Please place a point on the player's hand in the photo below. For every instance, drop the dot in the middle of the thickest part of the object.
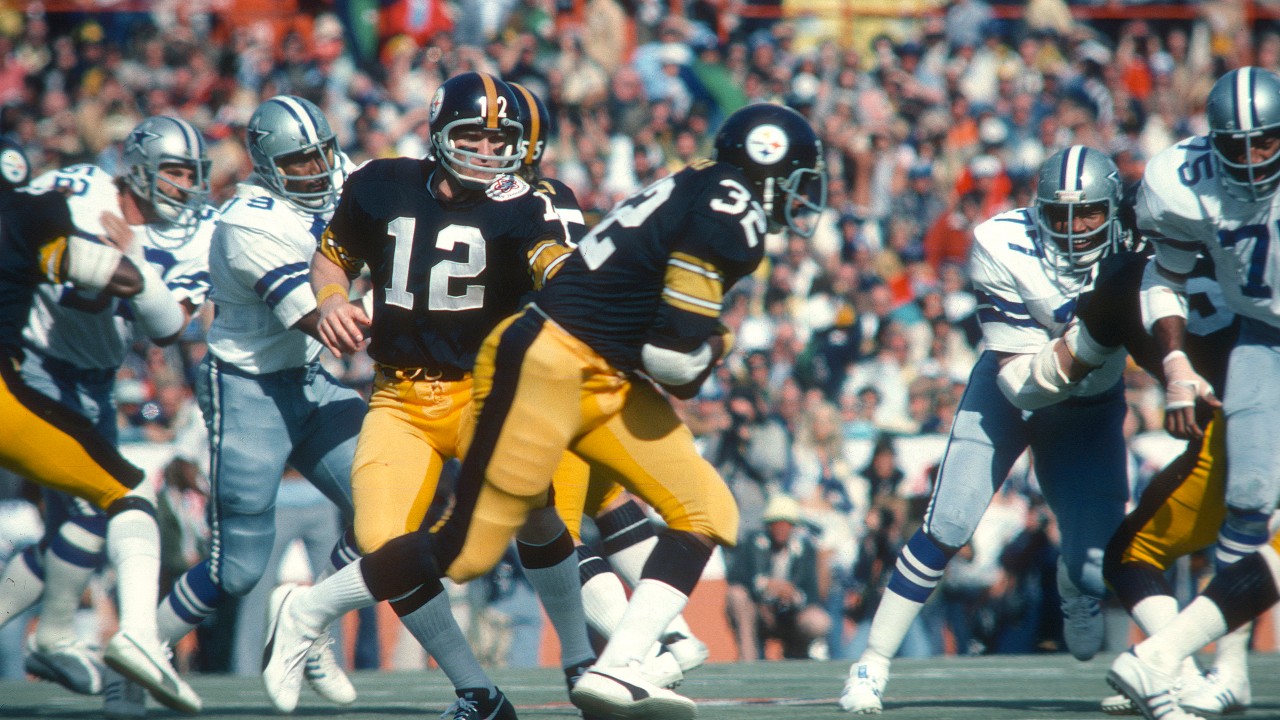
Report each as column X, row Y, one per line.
column 1183, row 388
column 341, row 325
column 119, row 234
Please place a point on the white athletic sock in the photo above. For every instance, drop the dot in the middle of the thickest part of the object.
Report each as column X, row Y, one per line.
column 652, row 607
column 629, row 561
column 64, row 583
column 438, row 633
column 1198, row 625
column 133, row 547
column 169, row 624
column 604, row 600
column 330, row 599
column 1233, row 652
column 22, row 588
column 892, row 620
column 1154, row 612
column 560, row 591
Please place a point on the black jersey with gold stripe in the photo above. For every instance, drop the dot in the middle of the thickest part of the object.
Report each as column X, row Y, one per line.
column 444, row 273
column 656, row 268
column 33, row 239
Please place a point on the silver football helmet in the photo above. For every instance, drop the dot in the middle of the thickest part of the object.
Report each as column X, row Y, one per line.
column 1073, row 182
column 161, row 141
column 1244, row 108
column 289, row 128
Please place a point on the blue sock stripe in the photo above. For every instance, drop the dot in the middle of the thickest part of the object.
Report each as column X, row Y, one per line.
column 195, row 596
column 31, row 556
column 344, row 553
column 908, row 589
column 925, row 551
column 93, row 524
column 1237, row 536
column 74, row 554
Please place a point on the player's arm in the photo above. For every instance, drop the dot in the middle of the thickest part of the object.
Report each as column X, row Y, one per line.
column 337, row 322
column 116, row 266
column 1164, row 313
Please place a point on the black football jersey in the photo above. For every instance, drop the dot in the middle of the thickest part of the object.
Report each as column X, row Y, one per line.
column 444, row 274
column 655, row 269
column 566, row 204
column 33, row 238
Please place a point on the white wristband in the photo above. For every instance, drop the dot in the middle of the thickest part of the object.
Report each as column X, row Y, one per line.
column 156, row 310
column 1161, row 297
column 90, row 265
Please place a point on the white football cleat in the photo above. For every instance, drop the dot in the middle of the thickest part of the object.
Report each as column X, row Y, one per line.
column 623, row 692
column 663, row 670
column 148, row 664
column 1083, row 626
column 689, row 651
column 286, row 649
column 1217, row 695
column 1153, row 693
column 70, row 663
column 1117, row 705
column 325, row 675
column 864, row 689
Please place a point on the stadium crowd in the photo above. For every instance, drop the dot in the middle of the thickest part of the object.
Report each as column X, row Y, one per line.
column 853, row 347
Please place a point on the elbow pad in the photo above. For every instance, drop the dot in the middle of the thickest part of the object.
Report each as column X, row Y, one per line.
column 90, row 264
column 672, row 367
column 1032, row 381
column 1162, row 296
column 155, row 309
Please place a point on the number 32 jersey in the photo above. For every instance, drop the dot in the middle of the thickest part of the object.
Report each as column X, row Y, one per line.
column 1183, row 207
column 444, row 273
column 656, row 268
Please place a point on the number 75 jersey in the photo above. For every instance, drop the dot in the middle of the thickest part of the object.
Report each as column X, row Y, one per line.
column 1183, row 206
column 656, row 268
column 444, row 273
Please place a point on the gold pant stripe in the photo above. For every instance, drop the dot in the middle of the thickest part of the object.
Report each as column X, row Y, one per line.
column 56, row 448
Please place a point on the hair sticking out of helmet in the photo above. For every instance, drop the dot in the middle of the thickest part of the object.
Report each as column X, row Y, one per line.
column 1244, row 131
column 536, row 127
column 295, row 152
column 1076, row 207
column 15, row 168
column 781, row 155
column 167, row 166
column 475, row 130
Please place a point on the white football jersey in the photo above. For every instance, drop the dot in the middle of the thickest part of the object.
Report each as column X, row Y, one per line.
column 1184, row 209
column 1022, row 300
column 260, row 264
column 94, row 330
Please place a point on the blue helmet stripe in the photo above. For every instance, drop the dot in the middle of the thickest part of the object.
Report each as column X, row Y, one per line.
column 301, row 116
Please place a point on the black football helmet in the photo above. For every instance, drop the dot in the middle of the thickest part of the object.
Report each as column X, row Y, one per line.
column 535, row 123
column 475, row 100
column 15, row 169
column 778, row 151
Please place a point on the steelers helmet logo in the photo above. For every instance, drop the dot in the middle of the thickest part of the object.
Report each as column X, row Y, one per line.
column 13, row 167
column 767, row 144
column 437, row 102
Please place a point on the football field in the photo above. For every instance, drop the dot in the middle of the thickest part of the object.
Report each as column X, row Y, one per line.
column 1042, row 687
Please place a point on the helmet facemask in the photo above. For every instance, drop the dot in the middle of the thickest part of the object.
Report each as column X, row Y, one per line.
column 1080, row 250
column 298, row 188
column 183, row 206
column 1247, row 180
column 474, row 169
column 805, row 197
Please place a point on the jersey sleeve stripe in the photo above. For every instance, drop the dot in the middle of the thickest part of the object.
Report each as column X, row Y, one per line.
column 334, row 250
column 51, row 254
column 272, row 277
column 693, row 263
column 283, row 289
column 991, row 315
column 1003, row 305
column 545, row 260
column 691, row 304
column 693, row 285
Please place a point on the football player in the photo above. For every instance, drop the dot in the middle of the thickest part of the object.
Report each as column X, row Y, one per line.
column 625, row 530
column 1216, row 195
column 75, row 341
column 452, row 242
column 1028, row 266
column 1182, row 508
column 44, row 237
column 266, row 400
column 638, row 302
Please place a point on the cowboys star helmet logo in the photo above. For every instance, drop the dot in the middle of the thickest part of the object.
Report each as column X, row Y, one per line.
column 140, row 136
column 767, row 144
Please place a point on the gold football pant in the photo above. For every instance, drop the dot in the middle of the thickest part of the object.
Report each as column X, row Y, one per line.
column 412, row 429
column 1182, row 509
column 539, row 390
column 57, row 448
column 579, row 492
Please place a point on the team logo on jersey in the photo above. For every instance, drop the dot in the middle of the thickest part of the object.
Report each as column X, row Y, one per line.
column 506, row 187
column 767, row 144
column 436, row 101
column 13, row 166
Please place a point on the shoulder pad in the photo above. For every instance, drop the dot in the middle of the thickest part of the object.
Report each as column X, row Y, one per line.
column 507, row 187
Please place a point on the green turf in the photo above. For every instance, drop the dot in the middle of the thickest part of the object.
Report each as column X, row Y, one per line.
column 986, row 688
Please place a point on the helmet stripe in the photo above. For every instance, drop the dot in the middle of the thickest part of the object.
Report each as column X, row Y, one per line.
column 300, row 114
column 490, row 100
column 1069, row 177
column 195, row 145
column 1246, row 113
column 535, row 122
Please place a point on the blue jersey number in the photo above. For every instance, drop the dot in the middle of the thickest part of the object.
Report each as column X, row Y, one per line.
column 1260, row 236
